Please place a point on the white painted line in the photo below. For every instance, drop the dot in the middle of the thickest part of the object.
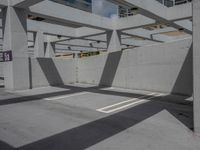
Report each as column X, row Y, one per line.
column 125, row 106
column 66, row 96
column 130, row 100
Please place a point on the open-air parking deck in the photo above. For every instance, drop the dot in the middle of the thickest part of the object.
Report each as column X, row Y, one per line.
column 99, row 75
column 72, row 117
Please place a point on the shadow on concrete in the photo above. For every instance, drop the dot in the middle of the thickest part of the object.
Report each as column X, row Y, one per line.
column 2, row 86
column 69, row 90
column 2, row 82
column 89, row 134
column 184, row 81
column 110, row 68
column 20, row 99
column 5, row 146
column 50, row 71
column 173, row 99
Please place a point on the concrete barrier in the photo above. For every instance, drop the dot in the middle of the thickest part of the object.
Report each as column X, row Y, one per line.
column 52, row 71
column 25, row 73
column 164, row 67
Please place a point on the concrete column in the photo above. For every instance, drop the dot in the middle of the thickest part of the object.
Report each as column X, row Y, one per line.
column 15, row 31
column 113, row 41
column 196, row 64
column 15, row 38
column 50, row 49
column 39, row 44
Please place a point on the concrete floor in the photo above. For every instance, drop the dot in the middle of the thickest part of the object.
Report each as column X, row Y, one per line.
column 70, row 118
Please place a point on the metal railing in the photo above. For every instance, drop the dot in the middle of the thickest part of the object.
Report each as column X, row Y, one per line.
column 171, row 3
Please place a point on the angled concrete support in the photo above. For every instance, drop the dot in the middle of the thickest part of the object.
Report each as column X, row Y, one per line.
column 15, row 31
column 114, row 41
column 39, row 45
column 24, row 3
column 49, row 48
column 196, row 63
column 16, row 72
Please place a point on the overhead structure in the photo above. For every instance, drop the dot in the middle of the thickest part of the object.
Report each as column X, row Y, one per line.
column 44, row 28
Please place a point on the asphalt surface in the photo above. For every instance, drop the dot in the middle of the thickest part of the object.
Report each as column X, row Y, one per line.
column 77, row 117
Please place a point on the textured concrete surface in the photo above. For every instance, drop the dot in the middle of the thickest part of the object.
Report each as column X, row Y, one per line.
column 36, row 120
column 52, row 71
column 1, row 69
column 164, row 67
column 36, row 72
column 196, row 66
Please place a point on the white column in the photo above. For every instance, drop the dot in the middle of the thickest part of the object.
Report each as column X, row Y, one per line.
column 196, row 64
column 113, row 41
column 50, row 48
column 16, row 73
column 15, row 31
column 39, row 44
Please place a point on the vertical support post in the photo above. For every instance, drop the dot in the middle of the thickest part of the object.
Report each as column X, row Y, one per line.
column 15, row 38
column 174, row 2
column 15, row 31
column 114, row 41
column 50, row 48
column 196, row 64
column 39, row 45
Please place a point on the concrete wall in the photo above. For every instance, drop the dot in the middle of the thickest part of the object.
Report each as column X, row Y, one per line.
column 36, row 72
column 52, row 71
column 196, row 66
column 1, row 69
column 165, row 67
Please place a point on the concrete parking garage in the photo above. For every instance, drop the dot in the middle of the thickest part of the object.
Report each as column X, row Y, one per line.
column 71, row 117
column 140, row 92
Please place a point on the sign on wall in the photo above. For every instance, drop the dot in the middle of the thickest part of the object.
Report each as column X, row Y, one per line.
column 5, row 56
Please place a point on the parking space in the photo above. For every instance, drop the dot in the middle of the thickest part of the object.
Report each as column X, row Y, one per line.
column 101, row 99
column 89, row 117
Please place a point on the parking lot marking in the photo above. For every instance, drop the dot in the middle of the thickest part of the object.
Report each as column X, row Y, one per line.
column 130, row 100
column 135, row 101
column 65, row 96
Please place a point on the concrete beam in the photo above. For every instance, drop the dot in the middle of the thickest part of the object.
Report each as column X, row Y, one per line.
column 24, row 3
column 186, row 24
column 65, row 45
column 133, row 22
column 3, row 3
column 85, row 32
column 179, row 12
column 149, row 35
column 196, row 64
column 159, row 12
column 54, row 11
column 169, row 13
column 51, row 29
column 143, row 37
column 128, row 42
